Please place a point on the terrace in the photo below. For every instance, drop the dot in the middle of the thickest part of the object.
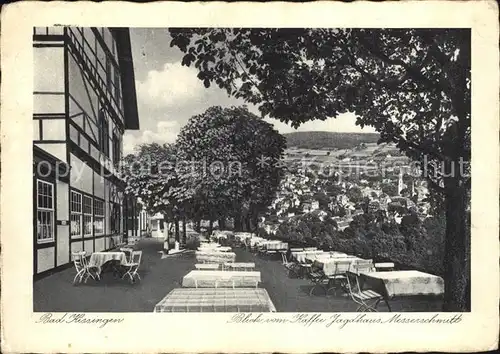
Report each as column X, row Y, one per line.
column 55, row 293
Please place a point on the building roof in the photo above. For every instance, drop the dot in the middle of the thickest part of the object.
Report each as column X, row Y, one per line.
column 122, row 37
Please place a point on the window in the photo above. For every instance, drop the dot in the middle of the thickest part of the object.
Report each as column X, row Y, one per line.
column 116, row 82
column 115, row 218
column 103, row 133
column 76, row 214
column 116, row 150
column 98, row 217
column 87, row 216
column 109, row 73
column 45, row 211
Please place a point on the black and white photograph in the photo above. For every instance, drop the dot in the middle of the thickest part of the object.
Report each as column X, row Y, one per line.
column 251, row 169
column 296, row 178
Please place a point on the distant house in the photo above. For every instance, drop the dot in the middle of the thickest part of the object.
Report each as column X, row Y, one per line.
column 306, row 207
column 384, row 201
column 373, row 206
column 357, row 212
column 343, row 224
column 271, row 228
column 157, row 225
column 367, row 192
column 320, row 214
column 342, row 199
column 349, row 208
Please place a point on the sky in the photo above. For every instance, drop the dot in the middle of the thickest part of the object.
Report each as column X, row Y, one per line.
column 168, row 94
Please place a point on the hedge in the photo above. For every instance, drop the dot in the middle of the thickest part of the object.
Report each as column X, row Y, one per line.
column 413, row 244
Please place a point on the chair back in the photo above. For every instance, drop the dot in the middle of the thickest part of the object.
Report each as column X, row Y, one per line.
column 136, row 257
column 353, row 283
column 363, row 265
column 79, row 260
column 342, row 267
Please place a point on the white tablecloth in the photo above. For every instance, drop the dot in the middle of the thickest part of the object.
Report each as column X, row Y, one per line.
column 328, row 255
column 301, row 256
column 98, row 259
column 220, row 279
column 216, row 300
column 211, row 245
column 214, row 257
column 277, row 246
column 218, row 249
column 240, row 265
column 274, row 245
column 207, row 266
column 309, row 249
column 256, row 240
column 340, row 265
column 404, row 283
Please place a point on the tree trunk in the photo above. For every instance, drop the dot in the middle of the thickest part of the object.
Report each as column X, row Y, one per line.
column 184, row 233
column 166, row 234
column 255, row 222
column 197, row 225
column 177, row 235
column 247, row 223
column 210, row 227
column 222, row 223
column 457, row 246
column 237, row 223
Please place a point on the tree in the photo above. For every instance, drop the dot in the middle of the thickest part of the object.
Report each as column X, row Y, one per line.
column 151, row 175
column 322, row 199
column 355, row 194
column 411, row 85
column 232, row 164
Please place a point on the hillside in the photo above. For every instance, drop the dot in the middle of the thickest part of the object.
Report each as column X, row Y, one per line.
column 328, row 140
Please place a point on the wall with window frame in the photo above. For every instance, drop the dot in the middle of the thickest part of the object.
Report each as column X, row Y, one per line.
column 85, row 102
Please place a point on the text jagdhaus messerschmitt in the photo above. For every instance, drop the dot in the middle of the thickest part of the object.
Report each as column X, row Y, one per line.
column 341, row 320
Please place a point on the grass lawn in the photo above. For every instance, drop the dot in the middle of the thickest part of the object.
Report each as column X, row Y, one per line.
column 56, row 293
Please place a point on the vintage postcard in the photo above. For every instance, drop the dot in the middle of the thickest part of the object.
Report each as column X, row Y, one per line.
column 238, row 177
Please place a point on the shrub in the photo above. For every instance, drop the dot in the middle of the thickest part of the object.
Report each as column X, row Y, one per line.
column 390, row 189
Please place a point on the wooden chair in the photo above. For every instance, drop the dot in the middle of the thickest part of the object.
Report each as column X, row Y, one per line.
column 367, row 300
column 290, row 266
column 305, row 269
column 133, row 266
column 339, row 278
column 319, row 280
column 128, row 252
column 363, row 265
column 82, row 268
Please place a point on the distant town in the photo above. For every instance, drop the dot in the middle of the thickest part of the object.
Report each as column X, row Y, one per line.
column 342, row 183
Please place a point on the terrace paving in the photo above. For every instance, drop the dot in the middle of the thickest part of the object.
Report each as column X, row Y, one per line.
column 55, row 293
